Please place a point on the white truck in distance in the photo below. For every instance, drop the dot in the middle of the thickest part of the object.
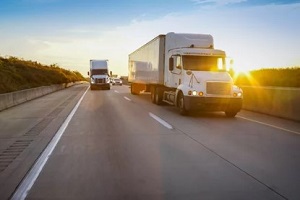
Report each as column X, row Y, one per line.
column 98, row 73
column 184, row 70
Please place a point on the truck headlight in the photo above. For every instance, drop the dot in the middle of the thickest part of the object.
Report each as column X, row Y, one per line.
column 194, row 93
column 237, row 94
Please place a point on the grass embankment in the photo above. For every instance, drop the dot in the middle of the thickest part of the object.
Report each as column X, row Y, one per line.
column 18, row 74
column 281, row 77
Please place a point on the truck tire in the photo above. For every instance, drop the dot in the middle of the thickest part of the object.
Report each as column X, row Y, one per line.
column 230, row 114
column 152, row 91
column 181, row 104
column 132, row 89
column 159, row 95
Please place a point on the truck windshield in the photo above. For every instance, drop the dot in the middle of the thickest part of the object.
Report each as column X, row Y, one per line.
column 99, row 72
column 203, row 63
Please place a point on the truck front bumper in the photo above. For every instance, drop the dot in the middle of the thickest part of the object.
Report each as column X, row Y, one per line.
column 213, row 103
column 100, row 85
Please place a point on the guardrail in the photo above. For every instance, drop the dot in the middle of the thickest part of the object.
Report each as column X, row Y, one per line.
column 277, row 101
column 11, row 99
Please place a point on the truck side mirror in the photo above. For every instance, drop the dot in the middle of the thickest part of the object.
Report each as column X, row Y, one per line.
column 171, row 64
column 88, row 73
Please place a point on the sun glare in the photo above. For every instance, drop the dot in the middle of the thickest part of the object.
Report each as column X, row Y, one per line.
column 242, row 73
column 240, row 68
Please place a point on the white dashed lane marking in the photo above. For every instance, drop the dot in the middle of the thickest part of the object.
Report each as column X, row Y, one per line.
column 127, row 98
column 163, row 122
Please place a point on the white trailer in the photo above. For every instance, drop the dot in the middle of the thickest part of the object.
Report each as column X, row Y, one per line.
column 99, row 77
column 184, row 70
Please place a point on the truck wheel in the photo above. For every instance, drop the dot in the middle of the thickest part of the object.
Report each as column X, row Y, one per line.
column 181, row 105
column 158, row 95
column 132, row 89
column 152, row 90
column 230, row 113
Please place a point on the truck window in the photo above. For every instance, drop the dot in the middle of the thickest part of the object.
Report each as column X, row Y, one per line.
column 204, row 63
column 178, row 62
column 99, row 72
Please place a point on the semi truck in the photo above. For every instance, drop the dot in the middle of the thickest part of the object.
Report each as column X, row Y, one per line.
column 185, row 71
column 99, row 77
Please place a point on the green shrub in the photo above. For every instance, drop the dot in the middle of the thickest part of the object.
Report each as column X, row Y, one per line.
column 18, row 74
column 279, row 77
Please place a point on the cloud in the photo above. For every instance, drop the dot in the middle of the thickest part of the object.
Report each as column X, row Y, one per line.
column 41, row 1
column 256, row 36
column 218, row 2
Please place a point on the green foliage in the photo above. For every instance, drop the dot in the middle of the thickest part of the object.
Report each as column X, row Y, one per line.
column 279, row 77
column 18, row 74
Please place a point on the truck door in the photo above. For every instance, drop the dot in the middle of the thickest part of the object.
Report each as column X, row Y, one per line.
column 176, row 74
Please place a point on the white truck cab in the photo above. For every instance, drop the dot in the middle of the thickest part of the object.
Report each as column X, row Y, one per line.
column 186, row 71
column 99, row 75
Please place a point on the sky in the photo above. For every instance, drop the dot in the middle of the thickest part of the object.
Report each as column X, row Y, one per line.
column 254, row 33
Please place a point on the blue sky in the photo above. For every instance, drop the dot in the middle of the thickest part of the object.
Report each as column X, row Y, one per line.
column 256, row 34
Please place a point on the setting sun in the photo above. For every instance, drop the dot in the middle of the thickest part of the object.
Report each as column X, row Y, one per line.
column 237, row 67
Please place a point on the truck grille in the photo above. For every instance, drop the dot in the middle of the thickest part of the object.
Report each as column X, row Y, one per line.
column 218, row 88
column 100, row 80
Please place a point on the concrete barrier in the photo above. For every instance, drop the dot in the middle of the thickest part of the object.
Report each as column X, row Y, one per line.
column 276, row 101
column 8, row 100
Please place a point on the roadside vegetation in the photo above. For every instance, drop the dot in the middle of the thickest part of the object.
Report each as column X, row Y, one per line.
column 18, row 74
column 278, row 77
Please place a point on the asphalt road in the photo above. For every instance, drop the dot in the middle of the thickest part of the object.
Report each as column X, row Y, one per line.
column 120, row 146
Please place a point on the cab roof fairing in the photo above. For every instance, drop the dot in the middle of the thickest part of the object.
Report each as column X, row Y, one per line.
column 198, row 52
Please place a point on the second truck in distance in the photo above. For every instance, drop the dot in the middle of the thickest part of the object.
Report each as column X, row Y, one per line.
column 99, row 77
column 184, row 70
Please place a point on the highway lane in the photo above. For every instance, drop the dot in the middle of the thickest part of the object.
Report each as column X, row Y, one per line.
column 120, row 146
column 26, row 130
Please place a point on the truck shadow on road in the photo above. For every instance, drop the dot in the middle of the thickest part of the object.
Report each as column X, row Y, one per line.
column 201, row 114
column 145, row 97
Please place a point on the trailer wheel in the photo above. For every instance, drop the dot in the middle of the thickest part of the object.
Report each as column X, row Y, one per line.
column 132, row 89
column 158, row 95
column 230, row 113
column 152, row 90
column 181, row 105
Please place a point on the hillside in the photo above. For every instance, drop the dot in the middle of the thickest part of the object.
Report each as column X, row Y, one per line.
column 18, row 74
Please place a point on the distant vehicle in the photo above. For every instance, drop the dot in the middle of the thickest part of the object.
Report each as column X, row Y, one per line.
column 117, row 81
column 99, row 77
column 184, row 70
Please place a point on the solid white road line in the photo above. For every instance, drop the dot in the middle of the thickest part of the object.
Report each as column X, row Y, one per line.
column 27, row 183
column 127, row 98
column 277, row 127
column 163, row 122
